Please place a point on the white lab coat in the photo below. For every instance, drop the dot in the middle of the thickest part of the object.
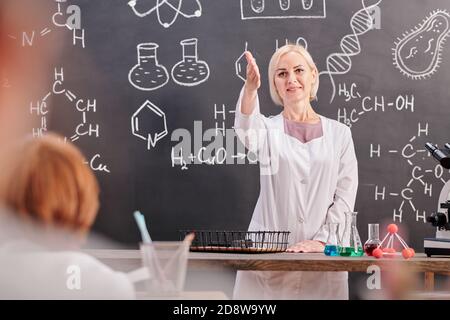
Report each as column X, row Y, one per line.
column 303, row 186
column 31, row 272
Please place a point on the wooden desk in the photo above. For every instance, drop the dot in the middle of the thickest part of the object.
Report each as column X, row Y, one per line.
column 289, row 262
column 320, row 262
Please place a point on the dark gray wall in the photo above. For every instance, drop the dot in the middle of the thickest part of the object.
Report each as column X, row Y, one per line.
column 223, row 196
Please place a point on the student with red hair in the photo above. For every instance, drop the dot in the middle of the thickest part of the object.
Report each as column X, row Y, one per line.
column 53, row 193
column 50, row 184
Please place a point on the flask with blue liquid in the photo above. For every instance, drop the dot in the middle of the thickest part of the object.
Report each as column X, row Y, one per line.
column 332, row 247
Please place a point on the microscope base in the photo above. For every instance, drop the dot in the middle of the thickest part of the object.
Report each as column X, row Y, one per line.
column 436, row 247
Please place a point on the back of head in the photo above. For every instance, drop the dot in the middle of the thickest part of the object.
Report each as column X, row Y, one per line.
column 49, row 183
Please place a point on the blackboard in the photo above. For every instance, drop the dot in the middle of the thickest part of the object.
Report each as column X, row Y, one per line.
column 387, row 79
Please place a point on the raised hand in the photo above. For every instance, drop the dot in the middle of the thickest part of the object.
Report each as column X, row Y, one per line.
column 253, row 81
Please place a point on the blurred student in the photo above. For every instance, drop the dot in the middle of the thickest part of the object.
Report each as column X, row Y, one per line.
column 56, row 197
column 26, row 71
column 49, row 189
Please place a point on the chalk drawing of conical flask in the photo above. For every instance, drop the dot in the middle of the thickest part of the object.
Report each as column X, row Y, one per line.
column 147, row 74
column 190, row 71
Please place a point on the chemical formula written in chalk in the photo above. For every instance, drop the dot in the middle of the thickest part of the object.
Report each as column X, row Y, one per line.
column 65, row 17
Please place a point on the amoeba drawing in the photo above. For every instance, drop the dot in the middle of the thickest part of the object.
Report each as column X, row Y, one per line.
column 418, row 53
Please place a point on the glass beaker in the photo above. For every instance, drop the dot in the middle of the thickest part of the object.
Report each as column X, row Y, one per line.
column 147, row 74
column 190, row 71
column 166, row 262
column 373, row 241
column 351, row 242
column 332, row 245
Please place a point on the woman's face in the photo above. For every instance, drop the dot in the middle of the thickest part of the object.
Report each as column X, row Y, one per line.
column 294, row 78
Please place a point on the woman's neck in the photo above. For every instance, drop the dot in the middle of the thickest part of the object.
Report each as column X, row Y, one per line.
column 300, row 112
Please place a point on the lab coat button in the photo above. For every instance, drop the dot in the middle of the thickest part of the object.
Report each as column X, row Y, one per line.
column 303, row 181
column 300, row 220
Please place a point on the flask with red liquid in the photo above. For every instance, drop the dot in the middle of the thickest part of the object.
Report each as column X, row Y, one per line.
column 374, row 239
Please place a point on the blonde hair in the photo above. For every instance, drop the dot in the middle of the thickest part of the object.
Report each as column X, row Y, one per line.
column 49, row 183
column 273, row 65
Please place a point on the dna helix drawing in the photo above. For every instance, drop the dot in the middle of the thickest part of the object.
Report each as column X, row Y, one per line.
column 340, row 62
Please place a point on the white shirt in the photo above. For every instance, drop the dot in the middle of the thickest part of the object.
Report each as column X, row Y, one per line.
column 30, row 272
column 303, row 186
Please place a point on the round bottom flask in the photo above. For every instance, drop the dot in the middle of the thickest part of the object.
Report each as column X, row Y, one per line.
column 190, row 71
column 374, row 239
column 148, row 74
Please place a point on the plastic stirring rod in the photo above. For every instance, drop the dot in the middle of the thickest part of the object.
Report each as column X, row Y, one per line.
column 140, row 220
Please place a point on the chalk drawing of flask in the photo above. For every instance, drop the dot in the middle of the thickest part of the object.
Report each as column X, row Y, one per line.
column 190, row 71
column 147, row 74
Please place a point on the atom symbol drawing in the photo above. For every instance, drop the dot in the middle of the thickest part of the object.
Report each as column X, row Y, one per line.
column 174, row 5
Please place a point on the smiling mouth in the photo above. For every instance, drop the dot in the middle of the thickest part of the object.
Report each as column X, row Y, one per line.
column 294, row 89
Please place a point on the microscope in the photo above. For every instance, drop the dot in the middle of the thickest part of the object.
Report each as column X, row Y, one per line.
column 441, row 244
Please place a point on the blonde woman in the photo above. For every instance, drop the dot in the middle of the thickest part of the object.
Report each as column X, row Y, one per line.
column 308, row 174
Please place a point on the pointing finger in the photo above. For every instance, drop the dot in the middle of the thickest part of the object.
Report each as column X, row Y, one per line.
column 249, row 56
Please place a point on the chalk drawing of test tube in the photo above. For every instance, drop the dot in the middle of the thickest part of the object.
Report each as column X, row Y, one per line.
column 418, row 53
column 285, row 4
column 307, row 4
column 282, row 9
column 257, row 5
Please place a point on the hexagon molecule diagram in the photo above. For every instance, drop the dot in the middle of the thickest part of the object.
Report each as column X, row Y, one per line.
column 149, row 123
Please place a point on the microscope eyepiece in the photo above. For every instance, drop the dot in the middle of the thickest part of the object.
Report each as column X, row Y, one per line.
column 438, row 220
column 441, row 155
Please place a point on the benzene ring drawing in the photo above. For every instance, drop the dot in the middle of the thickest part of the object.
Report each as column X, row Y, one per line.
column 149, row 123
